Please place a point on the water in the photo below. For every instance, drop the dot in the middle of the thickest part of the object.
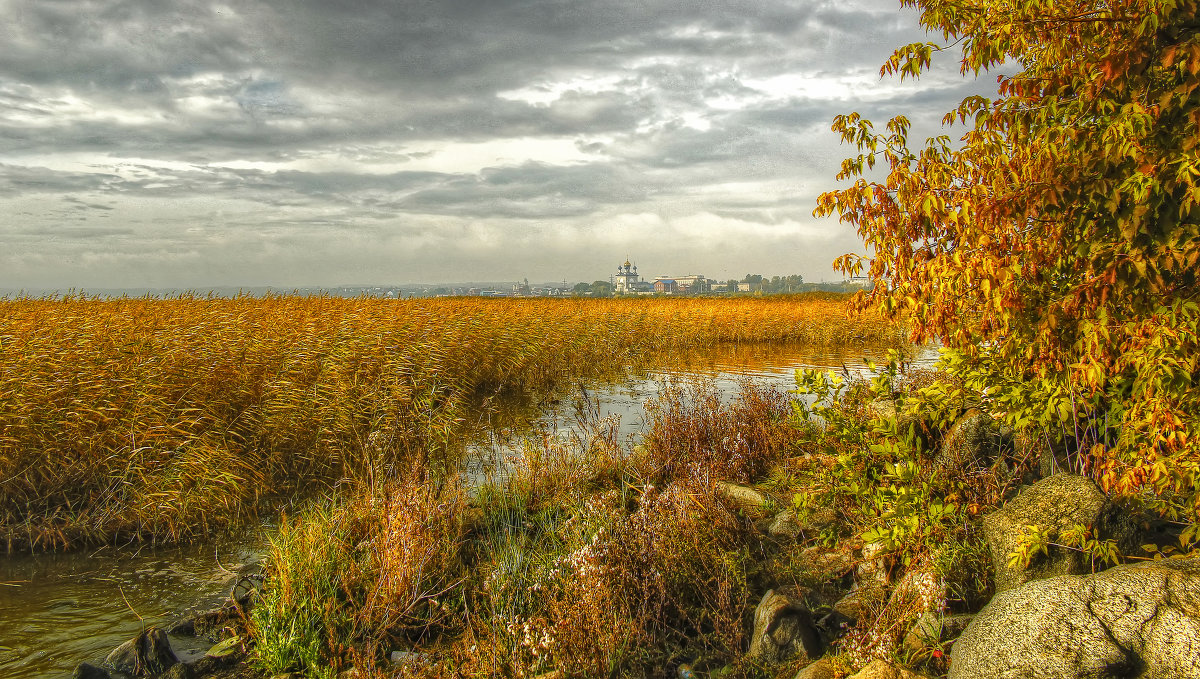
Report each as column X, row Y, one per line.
column 726, row 368
column 58, row 610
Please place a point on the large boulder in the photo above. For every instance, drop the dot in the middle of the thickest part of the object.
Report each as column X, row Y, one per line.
column 783, row 630
column 1053, row 505
column 1138, row 620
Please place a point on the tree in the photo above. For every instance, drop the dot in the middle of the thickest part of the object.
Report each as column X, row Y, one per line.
column 602, row 289
column 754, row 280
column 1054, row 248
column 581, row 289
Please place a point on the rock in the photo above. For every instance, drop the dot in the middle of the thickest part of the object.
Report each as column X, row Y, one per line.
column 783, row 630
column 1053, row 505
column 1034, row 445
column 825, row 563
column 915, row 423
column 881, row 409
column 210, row 623
column 179, row 671
column 408, row 658
column 147, row 654
column 183, row 628
column 872, row 568
column 931, row 629
column 821, row 669
column 920, row 589
column 741, row 497
column 1138, row 620
column 784, row 525
column 974, row 442
column 861, row 602
column 226, row 648
column 248, row 587
column 908, row 421
column 87, row 671
column 879, row 669
column 787, row 524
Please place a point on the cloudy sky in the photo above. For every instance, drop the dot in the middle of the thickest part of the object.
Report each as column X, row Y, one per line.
column 168, row 143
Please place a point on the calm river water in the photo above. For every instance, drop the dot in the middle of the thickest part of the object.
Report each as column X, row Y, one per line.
column 58, row 610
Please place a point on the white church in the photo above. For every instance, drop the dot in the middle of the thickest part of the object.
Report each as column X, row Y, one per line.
column 627, row 282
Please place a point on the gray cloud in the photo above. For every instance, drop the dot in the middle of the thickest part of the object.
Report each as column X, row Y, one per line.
column 180, row 142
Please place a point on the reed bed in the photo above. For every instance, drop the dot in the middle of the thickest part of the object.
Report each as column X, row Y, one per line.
column 171, row 418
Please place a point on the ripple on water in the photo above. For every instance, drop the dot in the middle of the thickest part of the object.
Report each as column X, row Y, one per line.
column 58, row 610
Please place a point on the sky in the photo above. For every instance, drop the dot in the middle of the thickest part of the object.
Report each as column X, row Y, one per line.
column 175, row 144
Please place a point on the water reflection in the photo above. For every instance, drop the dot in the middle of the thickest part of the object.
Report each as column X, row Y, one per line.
column 499, row 439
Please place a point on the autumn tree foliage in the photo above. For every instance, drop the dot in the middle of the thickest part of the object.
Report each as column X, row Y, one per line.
column 1054, row 246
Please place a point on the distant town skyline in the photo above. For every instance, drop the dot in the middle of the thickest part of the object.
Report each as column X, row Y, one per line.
column 188, row 144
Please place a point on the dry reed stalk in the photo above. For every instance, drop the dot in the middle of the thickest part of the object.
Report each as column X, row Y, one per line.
column 170, row 418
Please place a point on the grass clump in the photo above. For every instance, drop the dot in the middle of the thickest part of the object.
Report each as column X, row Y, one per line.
column 361, row 576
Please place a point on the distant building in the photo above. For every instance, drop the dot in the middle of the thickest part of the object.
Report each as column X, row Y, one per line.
column 692, row 284
column 627, row 281
column 683, row 285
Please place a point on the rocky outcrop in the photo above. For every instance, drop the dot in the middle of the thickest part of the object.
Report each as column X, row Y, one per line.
column 147, row 654
column 857, row 604
column 783, row 630
column 1130, row 621
column 1053, row 505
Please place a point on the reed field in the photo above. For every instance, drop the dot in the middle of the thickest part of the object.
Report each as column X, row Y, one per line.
column 169, row 419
